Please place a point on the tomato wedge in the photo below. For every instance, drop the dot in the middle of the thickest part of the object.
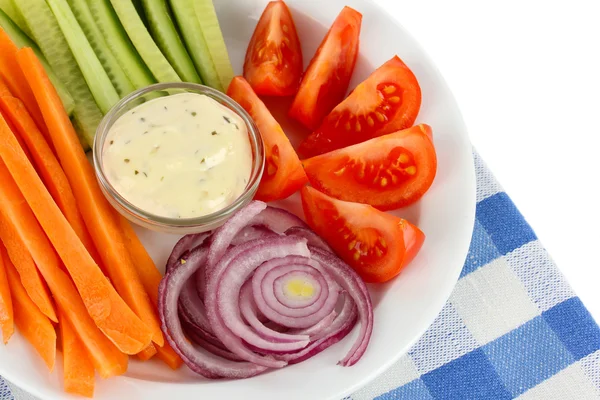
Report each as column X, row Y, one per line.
column 377, row 245
column 327, row 77
column 387, row 172
column 273, row 64
column 387, row 101
column 283, row 174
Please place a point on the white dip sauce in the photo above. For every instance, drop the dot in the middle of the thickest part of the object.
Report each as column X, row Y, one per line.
column 179, row 156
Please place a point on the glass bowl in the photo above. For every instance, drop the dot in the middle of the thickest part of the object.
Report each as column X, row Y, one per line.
column 157, row 222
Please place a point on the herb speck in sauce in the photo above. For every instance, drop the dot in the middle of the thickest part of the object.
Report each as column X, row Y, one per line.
column 166, row 109
column 162, row 178
column 194, row 113
column 145, row 174
column 136, row 172
column 213, row 133
column 203, row 160
column 226, row 119
column 145, row 133
column 112, row 141
column 142, row 119
column 127, row 142
column 127, row 160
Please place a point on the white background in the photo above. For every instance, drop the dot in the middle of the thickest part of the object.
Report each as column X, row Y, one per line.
column 526, row 75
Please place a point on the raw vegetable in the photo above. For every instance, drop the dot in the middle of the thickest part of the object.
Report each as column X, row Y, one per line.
column 375, row 244
column 147, row 353
column 387, row 172
column 48, row 168
column 20, row 39
column 211, row 30
column 26, row 230
column 98, row 81
column 167, row 38
column 327, row 77
column 291, row 277
column 109, row 62
column 7, row 322
column 143, row 42
column 78, row 369
column 33, row 283
column 47, row 34
column 120, row 45
column 109, row 311
column 97, row 213
column 273, row 64
column 283, row 174
column 196, row 43
column 30, row 321
column 8, row 7
column 387, row 101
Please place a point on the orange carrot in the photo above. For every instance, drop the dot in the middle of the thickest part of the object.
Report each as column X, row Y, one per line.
column 15, row 79
column 7, row 323
column 48, row 167
column 4, row 90
column 33, row 283
column 147, row 353
column 100, row 218
column 32, row 324
column 106, row 308
column 78, row 368
column 25, row 229
column 167, row 355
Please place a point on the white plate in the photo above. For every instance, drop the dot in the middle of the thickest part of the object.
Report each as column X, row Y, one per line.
column 404, row 308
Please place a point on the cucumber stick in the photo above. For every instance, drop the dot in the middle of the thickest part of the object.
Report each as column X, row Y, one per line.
column 190, row 29
column 22, row 40
column 213, row 36
column 96, row 77
column 53, row 44
column 120, row 45
column 10, row 9
column 143, row 42
column 167, row 38
column 117, row 76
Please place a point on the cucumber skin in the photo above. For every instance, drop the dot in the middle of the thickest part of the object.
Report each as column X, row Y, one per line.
column 117, row 40
column 143, row 42
column 109, row 62
column 10, row 9
column 21, row 40
column 167, row 38
column 53, row 45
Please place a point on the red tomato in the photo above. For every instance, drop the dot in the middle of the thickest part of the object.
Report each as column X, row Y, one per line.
column 273, row 64
column 377, row 245
column 387, row 172
column 283, row 174
column 326, row 80
column 387, row 101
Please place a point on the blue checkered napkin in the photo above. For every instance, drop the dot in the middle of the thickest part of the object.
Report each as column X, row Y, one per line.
column 512, row 328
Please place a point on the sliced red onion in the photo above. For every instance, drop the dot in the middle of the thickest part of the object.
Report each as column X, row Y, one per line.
column 318, row 330
column 211, row 347
column 252, row 232
column 312, row 238
column 277, row 219
column 184, row 246
column 280, row 279
column 192, row 306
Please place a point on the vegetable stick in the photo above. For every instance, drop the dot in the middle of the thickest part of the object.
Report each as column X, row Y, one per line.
column 167, row 355
column 4, row 91
column 24, row 228
column 147, row 353
column 31, row 280
column 48, row 167
column 16, row 82
column 35, row 326
column 104, row 305
column 7, row 322
column 99, row 216
column 79, row 371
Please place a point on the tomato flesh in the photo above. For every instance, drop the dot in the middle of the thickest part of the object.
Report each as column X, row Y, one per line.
column 283, row 174
column 372, row 242
column 387, row 101
column 387, row 172
column 327, row 77
column 273, row 64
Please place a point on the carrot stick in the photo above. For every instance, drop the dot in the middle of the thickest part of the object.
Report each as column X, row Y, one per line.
column 23, row 228
column 32, row 324
column 14, row 78
column 78, row 368
column 48, row 167
column 33, row 283
column 147, row 353
column 7, row 322
column 104, row 305
column 99, row 216
column 167, row 355
column 4, row 90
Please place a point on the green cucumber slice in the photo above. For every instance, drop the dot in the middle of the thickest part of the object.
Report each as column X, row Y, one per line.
column 53, row 44
column 190, row 29
column 117, row 76
column 9, row 8
column 167, row 38
column 117, row 40
column 22, row 40
column 143, row 42
column 213, row 36
column 96, row 77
